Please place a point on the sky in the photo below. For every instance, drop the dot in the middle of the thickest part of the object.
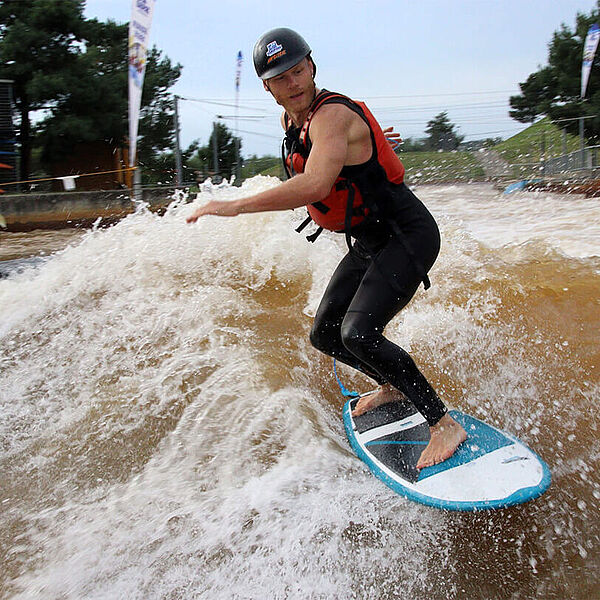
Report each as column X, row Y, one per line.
column 408, row 60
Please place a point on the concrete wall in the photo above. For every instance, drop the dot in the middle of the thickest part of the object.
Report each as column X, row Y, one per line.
column 25, row 212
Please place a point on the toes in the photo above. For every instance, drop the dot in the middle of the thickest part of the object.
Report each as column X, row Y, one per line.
column 362, row 406
column 358, row 410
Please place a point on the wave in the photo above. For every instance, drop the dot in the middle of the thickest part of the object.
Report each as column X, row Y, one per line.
column 169, row 431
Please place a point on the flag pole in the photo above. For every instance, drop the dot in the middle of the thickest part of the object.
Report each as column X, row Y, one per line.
column 178, row 168
column 238, row 162
column 589, row 50
column 139, row 34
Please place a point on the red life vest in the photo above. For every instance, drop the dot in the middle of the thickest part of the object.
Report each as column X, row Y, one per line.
column 357, row 187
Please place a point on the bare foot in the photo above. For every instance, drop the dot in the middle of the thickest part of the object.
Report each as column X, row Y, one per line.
column 385, row 394
column 446, row 436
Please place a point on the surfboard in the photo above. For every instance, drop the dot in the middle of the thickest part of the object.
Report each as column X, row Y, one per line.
column 491, row 469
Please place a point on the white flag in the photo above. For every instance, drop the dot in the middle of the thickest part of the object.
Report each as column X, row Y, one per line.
column 139, row 34
column 589, row 50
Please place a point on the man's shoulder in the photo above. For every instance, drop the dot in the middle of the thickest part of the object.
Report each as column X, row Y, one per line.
column 336, row 115
column 336, row 110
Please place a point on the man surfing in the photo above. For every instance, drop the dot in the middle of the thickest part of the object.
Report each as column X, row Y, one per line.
column 342, row 168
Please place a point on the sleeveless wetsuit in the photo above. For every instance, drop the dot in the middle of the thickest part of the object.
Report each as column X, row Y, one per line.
column 396, row 243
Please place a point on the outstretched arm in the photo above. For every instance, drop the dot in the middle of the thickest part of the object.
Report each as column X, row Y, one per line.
column 329, row 134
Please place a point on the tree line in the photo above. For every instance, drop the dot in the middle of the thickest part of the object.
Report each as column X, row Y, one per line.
column 73, row 71
column 554, row 90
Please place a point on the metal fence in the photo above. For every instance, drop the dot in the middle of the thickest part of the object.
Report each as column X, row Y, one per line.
column 580, row 161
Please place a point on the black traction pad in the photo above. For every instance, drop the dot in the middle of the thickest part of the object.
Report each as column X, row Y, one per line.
column 382, row 415
column 400, row 450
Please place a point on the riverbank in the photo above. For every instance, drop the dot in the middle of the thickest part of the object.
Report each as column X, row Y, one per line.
column 26, row 212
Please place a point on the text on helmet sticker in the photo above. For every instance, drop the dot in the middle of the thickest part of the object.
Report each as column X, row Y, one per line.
column 273, row 48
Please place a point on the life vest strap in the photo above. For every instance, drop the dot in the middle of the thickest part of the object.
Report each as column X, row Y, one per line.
column 313, row 236
column 303, row 224
column 349, row 215
column 286, row 170
column 321, row 207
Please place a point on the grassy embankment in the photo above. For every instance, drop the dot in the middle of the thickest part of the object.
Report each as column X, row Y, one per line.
column 427, row 167
column 441, row 167
column 525, row 150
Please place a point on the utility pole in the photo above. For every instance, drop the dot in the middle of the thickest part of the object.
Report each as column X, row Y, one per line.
column 543, row 152
column 238, row 162
column 138, row 195
column 238, row 166
column 215, row 150
column 581, row 142
column 179, row 176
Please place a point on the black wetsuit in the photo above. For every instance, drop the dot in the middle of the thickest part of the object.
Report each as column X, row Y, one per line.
column 396, row 243
column 372, row 283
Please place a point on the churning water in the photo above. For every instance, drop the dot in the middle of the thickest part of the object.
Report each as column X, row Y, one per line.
column 167, row 431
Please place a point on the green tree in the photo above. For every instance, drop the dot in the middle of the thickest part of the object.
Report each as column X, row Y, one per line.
column 442, row 134
column 413, row 145
column 94, row 106
column 76, row 69
column 160, row 167
column 157, row 117
column 39, row 45
column 225, row 151
column 554, row 90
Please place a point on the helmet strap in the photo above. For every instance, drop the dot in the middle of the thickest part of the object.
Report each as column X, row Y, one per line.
column 313, row 64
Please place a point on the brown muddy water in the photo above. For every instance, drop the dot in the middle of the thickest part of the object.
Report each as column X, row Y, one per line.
column 167, row 430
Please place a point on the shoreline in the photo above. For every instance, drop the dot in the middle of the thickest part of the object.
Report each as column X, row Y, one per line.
column 53, row 211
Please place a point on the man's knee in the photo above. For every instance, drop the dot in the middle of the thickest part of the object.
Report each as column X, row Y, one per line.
column 324, row 336
column 317, row 338
column 353, row 337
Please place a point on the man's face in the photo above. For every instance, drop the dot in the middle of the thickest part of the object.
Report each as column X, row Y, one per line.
column 294, row 89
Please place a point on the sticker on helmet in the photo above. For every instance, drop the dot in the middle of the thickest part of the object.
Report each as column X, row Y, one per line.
column 273, row 48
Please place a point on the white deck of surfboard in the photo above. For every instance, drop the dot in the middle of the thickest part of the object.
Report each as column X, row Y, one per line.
column 474, row 479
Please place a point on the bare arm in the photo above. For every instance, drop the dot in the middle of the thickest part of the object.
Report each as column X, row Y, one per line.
column 330, row 132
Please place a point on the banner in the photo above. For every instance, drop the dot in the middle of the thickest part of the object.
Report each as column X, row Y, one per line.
column 238, row 73
column 589, row 50
column 139, row 34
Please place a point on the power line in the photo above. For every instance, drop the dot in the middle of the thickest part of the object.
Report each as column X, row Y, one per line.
column 243, row 118
column 481, row 112
column 219, row 103
column 275, row 137
column 444, row 107
column 479, row 93
column 436, row 95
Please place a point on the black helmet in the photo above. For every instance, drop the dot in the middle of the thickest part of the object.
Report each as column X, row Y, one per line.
column 277, row 51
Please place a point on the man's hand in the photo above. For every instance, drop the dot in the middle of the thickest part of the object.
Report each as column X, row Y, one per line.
column 393, row 138
column 215, row 207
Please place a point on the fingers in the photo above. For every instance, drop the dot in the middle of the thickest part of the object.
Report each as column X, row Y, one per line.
column 194, row 216
column 389, row 132
column 214, row 207
column 393, row 138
